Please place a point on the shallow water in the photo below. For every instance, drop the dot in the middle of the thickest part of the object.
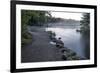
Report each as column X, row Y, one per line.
column 72, row 39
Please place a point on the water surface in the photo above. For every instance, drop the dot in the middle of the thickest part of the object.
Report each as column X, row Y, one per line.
column 72, row 39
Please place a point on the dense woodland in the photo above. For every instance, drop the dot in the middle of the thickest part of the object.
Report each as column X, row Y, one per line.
column 32, row 18
column 85, row 24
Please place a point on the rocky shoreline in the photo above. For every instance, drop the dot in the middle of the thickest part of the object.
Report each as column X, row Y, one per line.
column 40, row 49
column 67, row 54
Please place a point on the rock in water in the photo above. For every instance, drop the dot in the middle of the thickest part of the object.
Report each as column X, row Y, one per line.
column 53, row 43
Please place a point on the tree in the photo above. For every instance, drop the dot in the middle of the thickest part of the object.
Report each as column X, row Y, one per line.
column 33, row 18
column 85, row 24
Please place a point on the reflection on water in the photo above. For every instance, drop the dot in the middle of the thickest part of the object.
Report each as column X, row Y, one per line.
column 72, row 39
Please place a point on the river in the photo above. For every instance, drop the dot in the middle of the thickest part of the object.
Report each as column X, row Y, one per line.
column 72, row 39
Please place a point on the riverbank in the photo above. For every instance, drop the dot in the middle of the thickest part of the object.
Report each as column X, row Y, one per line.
column 67, row 54
column 40, row 50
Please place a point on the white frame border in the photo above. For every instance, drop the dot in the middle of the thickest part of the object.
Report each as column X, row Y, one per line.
column 20, row 65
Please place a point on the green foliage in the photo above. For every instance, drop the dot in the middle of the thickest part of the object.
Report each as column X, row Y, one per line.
column 33, row 18
column 26, row 39
column 85, row 23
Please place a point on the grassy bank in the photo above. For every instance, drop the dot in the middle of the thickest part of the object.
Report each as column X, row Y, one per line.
column 26, row 38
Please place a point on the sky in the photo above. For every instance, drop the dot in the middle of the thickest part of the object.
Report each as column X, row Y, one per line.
column 67, row 15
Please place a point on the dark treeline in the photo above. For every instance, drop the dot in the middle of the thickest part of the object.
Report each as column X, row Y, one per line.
column 85, row 24
column 35, row 18
column 53, row 19
column 32, row 18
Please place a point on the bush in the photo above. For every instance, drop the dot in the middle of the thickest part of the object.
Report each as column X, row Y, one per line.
column 26, row 39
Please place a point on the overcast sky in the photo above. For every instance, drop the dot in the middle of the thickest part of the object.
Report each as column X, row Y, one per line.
column 67, row 15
